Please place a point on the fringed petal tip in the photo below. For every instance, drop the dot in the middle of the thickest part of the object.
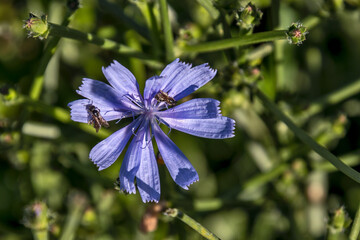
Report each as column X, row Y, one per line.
column 78, row 111
column 232, row 128
column 99, row 167
column 186, row 187
column 113, row 64
column 121, row 79
column 128, row 192
column 150, row 200
column 177, row 60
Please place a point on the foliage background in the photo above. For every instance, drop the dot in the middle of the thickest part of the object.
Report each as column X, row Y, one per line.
column 261, row 184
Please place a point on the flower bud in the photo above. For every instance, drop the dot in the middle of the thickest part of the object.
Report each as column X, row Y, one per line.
column 36, row 216
column 248, row 16
column 339, row 221
column 37, row 27
column 296, row 33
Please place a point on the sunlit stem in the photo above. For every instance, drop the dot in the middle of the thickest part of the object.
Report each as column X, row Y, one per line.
column 149, row 13
column 176, row 213
column 235, row 42
column 169, row 41
column 355, row 229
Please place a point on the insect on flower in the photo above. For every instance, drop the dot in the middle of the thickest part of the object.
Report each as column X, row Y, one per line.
column 164, row 97
column 95, row 117
column 122, row 99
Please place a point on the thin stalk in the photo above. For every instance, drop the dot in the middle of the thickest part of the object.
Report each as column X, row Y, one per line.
column 235, row 42
column 355, row 229
column 305, row 138
column 176, row 213
column 154, row 33
column 76, row 211
column 169, row 41
column 351, row 159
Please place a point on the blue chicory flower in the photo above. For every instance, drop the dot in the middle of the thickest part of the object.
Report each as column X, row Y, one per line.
column 199, row 117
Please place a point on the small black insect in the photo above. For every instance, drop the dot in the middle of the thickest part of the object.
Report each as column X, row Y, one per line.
column 162, row 96
column 95, row 117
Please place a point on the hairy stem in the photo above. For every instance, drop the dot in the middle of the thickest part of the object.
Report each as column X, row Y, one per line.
column 176, row 213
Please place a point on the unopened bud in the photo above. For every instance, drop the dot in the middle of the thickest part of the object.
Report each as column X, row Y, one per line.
column 36, row 216
column 248, row 16
column 37, row 27
column 296, row 33
column 340, row 220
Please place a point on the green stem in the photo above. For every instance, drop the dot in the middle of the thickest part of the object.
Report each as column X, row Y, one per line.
column 76, row 211
column 355, row 229
column 176, row 213
column 235, row 42
column 305, row 138
column 154, row 33
column 169, row 41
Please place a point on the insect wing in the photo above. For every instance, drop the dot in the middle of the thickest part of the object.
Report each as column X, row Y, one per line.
column 102, row 121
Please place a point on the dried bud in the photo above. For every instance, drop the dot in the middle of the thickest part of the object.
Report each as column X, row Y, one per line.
column 37, row 27
column 150, row 218
column 296, row 33
column 159, row 159
column 248, row 16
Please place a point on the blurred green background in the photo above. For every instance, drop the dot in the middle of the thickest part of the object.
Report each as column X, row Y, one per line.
column 262, row 184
